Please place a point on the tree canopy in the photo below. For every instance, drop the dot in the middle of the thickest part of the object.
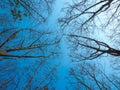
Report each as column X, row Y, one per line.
column 24, row 47
column 88, row 17
column 91, row 30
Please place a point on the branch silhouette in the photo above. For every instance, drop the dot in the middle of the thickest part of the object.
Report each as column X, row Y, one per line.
column 102, row 48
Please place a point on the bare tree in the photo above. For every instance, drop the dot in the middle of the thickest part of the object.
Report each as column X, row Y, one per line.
column 87, row 17
column 25, row 48
column 86, row 76
column 15, row 45
column 31, row 8
column 97, row 48
column 24, row 40
column 84, row 12
column 38, row 75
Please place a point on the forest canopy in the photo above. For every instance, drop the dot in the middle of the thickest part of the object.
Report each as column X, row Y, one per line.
column 46, row 45
column 87, row 18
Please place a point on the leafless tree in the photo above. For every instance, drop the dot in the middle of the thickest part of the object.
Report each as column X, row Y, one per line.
column 27, row 45
column 86, row 76
column 84, row 12
column 86, row 18
column 24, row 50
column 31, row 8
column 94, row 47
column 38, row 75
column 83, row 20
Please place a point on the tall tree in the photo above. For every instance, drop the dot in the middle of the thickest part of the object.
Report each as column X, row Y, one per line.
column 85, row 21
column 88, row 76
column 24, row 47
column 88, row 17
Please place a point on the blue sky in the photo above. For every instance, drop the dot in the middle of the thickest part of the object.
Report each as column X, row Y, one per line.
column 60, row 79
